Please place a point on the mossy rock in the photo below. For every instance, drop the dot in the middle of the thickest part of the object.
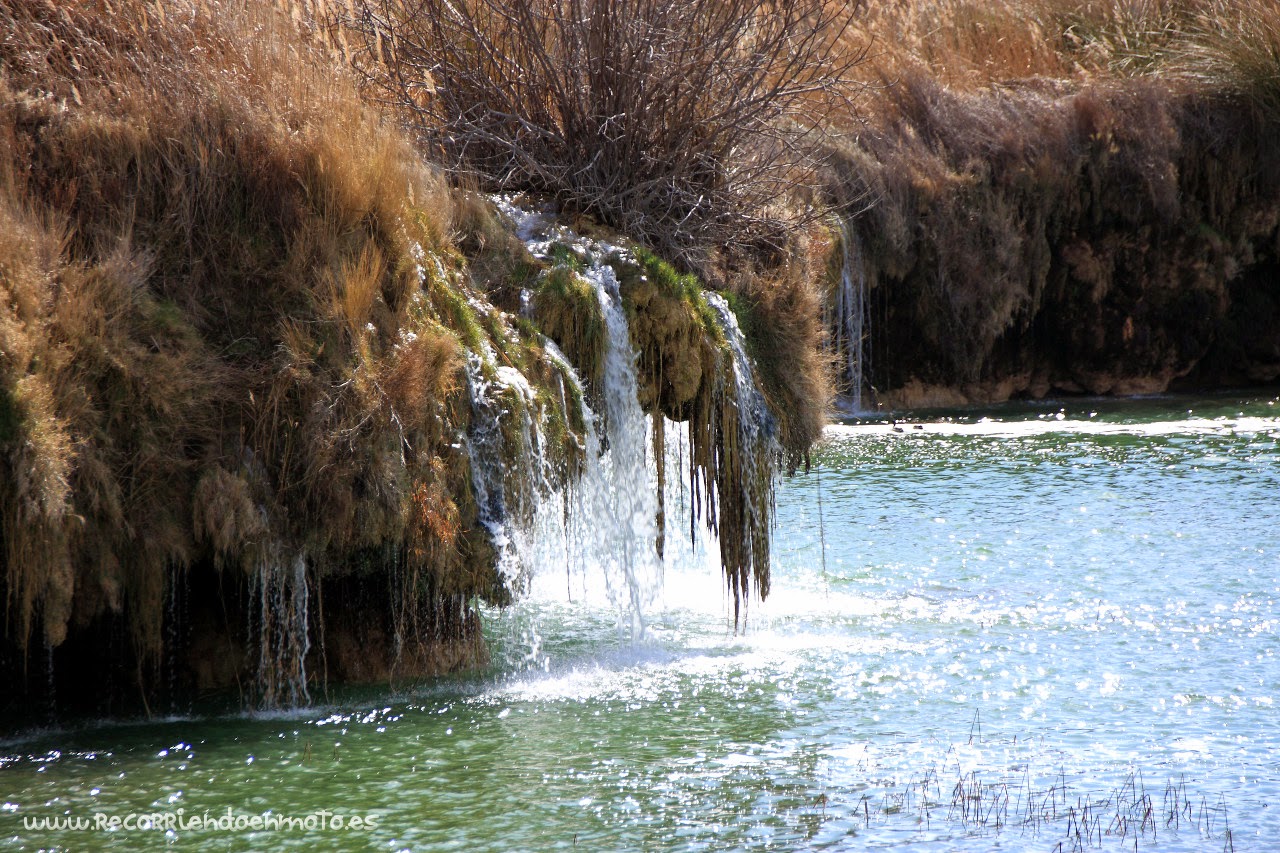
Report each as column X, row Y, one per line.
column 567, row 309
column 673, row 329
column 498, row 261
column 672, row 284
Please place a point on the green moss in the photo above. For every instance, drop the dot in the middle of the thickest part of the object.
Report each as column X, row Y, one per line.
column 492, row 326
column 671, row 283
column 525, row 271
column 747, row 317
column 564, row 283
column 526, row 328
column 562, row 444
column 573, row 400
column 456, row 313
column 665, row 276
column 566, row 307
column 565, row 255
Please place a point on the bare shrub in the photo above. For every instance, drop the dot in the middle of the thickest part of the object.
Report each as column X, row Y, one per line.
column 683, row 122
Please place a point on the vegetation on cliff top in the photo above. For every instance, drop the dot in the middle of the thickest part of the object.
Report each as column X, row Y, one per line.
column 691, row 126
column 1079, row 196
column 239, row 319
column 232, row 324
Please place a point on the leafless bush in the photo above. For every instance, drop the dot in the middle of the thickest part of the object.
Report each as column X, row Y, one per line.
column 683, row 122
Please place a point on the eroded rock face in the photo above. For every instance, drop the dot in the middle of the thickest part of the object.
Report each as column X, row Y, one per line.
column 1126, row 240
column 1210, row 334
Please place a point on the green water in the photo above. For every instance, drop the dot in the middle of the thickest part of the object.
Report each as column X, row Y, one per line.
column 1007, row 630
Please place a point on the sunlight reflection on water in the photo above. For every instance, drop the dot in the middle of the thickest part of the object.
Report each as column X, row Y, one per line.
column 998, row 633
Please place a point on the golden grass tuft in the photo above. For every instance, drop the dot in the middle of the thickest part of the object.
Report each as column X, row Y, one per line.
column 784, row 309
column 222, row 336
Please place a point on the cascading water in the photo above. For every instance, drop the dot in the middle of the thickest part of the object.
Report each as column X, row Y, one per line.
column 176, row 628
column 754, row 418
column 282, row 603
column 625, row 510
column 606, row 519
column 745, row 486
column 485, row 444
column 850, row 322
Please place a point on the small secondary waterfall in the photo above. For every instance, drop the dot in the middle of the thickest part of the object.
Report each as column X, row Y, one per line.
column 745, row 488
column 849, row 326
column 281, row 602
column 498, row 511
column 755, row 421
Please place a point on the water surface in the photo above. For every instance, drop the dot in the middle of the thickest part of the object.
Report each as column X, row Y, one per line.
column 1007, row 629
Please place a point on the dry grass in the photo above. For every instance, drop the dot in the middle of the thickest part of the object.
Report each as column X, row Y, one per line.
column 224, row 331
column 1060, row 195
column 967, row 45
column 782, row 309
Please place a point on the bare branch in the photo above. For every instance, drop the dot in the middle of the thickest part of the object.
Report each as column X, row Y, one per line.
column 684, row 121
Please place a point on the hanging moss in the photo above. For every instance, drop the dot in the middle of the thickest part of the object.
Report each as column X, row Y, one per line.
column 567, row 309
column 673, row 331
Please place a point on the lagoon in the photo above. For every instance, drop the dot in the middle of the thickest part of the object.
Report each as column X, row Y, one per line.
column 1016, row 628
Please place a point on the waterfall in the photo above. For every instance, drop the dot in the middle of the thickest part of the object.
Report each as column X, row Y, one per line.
column 850, row 322
column 626, row 509
column 281, row 602
column 605, row 519
column 176, row 630
column 499, row 512
column 754, row 418
column 607, row 516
